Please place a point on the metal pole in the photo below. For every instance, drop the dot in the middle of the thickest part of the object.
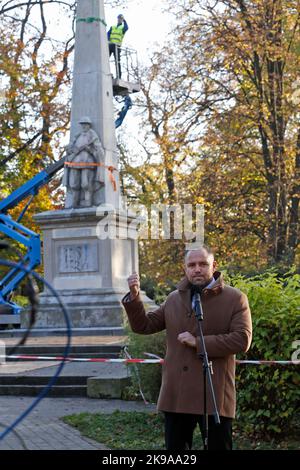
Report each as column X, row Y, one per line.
column 127, row 65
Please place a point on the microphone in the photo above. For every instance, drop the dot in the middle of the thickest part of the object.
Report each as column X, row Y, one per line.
column 196, row 289
column 196, row 301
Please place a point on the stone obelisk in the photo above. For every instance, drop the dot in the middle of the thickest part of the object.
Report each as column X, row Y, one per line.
column 89, row 271
column 92, row 93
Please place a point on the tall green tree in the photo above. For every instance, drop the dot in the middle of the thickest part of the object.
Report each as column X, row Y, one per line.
column 250, row 50
column 221, row 100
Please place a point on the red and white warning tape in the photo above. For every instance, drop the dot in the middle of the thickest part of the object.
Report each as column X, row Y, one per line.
column 132, row 361
column 82, row 359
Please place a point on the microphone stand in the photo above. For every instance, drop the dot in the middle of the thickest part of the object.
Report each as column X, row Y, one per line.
column 207, row 370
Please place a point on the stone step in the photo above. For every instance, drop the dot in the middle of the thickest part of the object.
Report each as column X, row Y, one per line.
column 105, row 351
column 96, row 331
column 34, row 390
column 100, row 387
column 41, row 380
column 29, row 379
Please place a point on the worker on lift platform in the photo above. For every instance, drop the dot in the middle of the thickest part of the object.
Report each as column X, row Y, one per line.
column 115, row 37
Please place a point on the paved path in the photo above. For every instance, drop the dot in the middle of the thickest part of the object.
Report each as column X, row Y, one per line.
column 43, row 430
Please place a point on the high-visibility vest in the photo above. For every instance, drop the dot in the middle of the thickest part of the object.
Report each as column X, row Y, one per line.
column 117, row 34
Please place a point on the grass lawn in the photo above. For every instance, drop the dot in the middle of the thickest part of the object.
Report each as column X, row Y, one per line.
column 145, row 431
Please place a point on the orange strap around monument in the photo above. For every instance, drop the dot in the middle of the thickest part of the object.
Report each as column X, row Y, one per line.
column 110, row 168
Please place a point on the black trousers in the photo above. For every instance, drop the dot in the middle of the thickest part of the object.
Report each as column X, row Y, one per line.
column 116, row 51
column 179, row 430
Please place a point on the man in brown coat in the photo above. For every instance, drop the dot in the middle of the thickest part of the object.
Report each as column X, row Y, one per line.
column 227, row 331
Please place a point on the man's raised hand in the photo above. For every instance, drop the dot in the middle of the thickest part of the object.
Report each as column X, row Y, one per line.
column 134, row 285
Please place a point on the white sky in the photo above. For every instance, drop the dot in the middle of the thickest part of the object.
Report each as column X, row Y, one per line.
column 147, row 24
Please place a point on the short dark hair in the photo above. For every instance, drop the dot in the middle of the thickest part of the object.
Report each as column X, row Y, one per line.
column 207, row 248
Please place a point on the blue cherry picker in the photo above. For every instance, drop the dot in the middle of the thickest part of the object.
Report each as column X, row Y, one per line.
column 14, row 230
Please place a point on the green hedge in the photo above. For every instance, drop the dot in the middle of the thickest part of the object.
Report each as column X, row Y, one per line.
column 146, row 375
column 268, row 396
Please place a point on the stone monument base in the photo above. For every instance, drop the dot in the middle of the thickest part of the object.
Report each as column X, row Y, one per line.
column 89, row 273
column 87, row 308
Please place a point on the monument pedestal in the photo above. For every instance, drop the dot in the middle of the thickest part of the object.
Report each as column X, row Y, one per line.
column 90, row 274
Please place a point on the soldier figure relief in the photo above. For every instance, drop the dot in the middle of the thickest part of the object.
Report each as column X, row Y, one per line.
column 84, row 167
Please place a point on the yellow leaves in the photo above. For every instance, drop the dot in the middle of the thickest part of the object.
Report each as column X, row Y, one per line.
column 11, row 94
column 14, row 142
column 199, row 199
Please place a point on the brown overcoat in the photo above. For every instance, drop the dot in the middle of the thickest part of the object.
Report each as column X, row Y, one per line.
column 227, row 330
